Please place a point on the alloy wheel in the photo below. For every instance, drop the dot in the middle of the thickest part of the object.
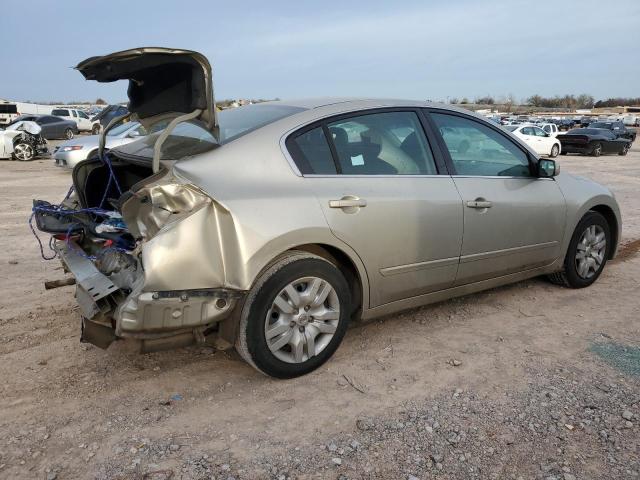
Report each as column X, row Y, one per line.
column 590, row 251
column 23, row 151
column 302, row 320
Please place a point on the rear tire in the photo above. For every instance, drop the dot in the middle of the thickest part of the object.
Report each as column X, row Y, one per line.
column 308, row 324
column 581, row 249
column 597, row 150
column 95, row 130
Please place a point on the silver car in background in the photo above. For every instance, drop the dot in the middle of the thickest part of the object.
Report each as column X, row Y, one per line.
column 72, row 152
column 272, row 226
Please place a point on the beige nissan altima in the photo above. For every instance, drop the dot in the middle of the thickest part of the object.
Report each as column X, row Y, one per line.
column 271, row 226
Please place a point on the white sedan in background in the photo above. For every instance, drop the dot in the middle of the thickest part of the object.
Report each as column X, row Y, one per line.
column 542, row 142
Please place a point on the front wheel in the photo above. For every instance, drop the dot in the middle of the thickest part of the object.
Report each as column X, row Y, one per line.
column 554, row 151
column 295, row 316
column 625, row 149
column 597, row 150
column 68, row 134
column 95, row 130
column 587, row 253
column 23, row 152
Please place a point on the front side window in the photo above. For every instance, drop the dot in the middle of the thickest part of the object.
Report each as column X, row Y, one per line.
column 538, row 132
column 478, row 150
column 83, row 115
column 388, row 143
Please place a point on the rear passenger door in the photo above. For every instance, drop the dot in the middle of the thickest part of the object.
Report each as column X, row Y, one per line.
column 375, row 176
column 513, row 220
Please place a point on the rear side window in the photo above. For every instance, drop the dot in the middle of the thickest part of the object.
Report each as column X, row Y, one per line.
column 60, row 112
column 312, row 153
column 389, row 143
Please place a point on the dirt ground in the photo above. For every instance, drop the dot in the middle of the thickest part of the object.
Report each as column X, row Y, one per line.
column 525, row 381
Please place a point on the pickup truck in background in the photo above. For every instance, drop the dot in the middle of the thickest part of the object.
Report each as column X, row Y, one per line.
column 85, row 124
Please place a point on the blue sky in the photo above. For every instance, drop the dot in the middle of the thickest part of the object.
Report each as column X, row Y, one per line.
column 292, row 49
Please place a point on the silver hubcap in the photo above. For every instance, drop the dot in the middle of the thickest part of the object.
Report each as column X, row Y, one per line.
column 591, row 251
column 23, row 151
column 302, row 320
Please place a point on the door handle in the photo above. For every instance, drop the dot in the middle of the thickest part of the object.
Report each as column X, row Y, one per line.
column 348, row 201
column 479, row 204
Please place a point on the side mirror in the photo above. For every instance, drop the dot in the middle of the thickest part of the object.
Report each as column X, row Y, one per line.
column 548, row 168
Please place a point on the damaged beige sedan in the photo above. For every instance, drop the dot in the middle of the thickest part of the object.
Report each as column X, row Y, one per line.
column 270, row 226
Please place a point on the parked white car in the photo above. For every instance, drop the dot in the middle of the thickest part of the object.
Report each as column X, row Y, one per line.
column 542, row 142
column 82, row 119
column 550, row 128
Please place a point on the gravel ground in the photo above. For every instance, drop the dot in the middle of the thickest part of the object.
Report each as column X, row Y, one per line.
column 528, row 381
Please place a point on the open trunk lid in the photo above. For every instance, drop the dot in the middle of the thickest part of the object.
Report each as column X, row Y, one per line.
column 163, row 82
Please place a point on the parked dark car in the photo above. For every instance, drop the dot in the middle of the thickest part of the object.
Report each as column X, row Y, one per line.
column 109, row 113
column 593, row 141
column 565, row 124
column 52, row 127
column 617, row 128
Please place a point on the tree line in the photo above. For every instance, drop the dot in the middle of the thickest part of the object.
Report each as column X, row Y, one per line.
column 566, row 101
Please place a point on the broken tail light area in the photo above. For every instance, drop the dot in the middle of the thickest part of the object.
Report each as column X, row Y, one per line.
column 154, row 273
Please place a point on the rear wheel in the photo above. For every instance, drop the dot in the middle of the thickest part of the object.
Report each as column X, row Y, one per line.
column 95, row 130
column 295, row 316
column 68, row 134
column 23, row 152
column 554, row 151
column 587, row 254
column 597, row 150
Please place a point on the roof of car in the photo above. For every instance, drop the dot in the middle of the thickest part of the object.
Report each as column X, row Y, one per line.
column 310, row 103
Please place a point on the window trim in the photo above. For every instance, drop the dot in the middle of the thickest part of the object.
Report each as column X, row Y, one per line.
column 449, row 161
column 438, row 158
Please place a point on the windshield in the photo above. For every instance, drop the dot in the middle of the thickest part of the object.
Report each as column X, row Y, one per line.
column 121, row 129
column 235, row 122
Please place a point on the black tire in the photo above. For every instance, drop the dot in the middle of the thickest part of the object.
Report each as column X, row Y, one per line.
column 251, row 343
column 68, row 134
column 568, row 276
column 596, row 151
column 23, row 152
column 625, row 150
column 554, row 151
column 95, row 130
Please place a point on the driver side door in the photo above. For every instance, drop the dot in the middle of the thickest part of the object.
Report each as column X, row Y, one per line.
column 513, row 220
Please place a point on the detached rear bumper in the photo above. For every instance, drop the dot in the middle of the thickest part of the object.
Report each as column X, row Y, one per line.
column 110, row 310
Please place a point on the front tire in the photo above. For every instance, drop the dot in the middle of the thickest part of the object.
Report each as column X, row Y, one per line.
column 587, row 253
column 23, row 152
column 597, row 150
column 555, row 150
column 68, row 134
column 625, row 150
column 95, row 130
column 295, row 316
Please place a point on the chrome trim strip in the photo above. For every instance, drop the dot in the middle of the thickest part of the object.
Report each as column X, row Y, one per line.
column 412, row 267
column 507, row 251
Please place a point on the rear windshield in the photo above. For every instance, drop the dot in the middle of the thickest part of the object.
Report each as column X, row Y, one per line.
column 191, row 138
column 235, row 122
